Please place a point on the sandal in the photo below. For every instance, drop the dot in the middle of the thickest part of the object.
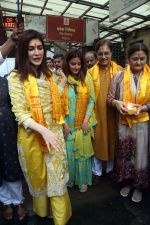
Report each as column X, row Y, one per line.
column 84, row 189
column 125, row 191
column 7, row 212
column 137, row 196
column 21, row 212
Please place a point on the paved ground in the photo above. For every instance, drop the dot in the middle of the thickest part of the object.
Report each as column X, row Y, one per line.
column 100, row 205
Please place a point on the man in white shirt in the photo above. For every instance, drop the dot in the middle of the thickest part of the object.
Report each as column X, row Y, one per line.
column 10, row 171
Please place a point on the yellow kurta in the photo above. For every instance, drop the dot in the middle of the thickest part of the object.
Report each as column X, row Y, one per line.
column 105, row 131
column 45, row 173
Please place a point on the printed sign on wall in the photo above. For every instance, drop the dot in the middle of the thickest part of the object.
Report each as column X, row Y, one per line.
column 59, row 28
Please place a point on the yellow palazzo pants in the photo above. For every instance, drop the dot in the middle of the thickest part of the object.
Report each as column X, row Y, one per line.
column 60, row 207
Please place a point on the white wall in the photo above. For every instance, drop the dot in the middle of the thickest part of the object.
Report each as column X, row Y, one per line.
column 7, row 66
column 49, row 54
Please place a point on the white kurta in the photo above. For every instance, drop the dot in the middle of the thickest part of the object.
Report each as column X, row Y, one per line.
column 1, row 58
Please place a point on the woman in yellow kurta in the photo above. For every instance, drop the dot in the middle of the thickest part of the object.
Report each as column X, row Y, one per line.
column 38, row 109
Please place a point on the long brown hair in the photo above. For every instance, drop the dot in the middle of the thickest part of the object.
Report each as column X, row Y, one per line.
column 75, row 53
column 23, row 65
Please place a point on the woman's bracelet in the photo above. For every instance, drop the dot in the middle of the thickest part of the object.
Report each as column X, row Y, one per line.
column 144, row 108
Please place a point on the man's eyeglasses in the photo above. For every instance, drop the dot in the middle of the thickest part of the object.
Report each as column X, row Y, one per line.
column 103, row 54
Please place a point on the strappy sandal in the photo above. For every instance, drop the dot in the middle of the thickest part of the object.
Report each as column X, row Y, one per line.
column 7, row 212
column 84, row 189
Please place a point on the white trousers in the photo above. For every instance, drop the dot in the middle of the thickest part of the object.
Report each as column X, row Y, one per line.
column 11, row 193
column 97, row 166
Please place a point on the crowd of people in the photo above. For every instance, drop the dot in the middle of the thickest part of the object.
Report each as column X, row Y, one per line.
column 64, row 119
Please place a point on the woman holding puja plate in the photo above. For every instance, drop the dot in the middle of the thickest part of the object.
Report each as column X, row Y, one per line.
column 130, row 95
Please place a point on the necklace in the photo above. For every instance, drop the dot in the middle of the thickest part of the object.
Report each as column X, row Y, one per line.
column 136, row 78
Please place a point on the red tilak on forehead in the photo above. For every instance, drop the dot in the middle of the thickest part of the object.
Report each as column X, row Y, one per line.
column 35, row 44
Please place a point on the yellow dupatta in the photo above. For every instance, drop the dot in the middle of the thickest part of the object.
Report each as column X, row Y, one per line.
column 84, row 92
column 83, row 144
column 32, row 94
column 142, row 96
column 95, row 73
